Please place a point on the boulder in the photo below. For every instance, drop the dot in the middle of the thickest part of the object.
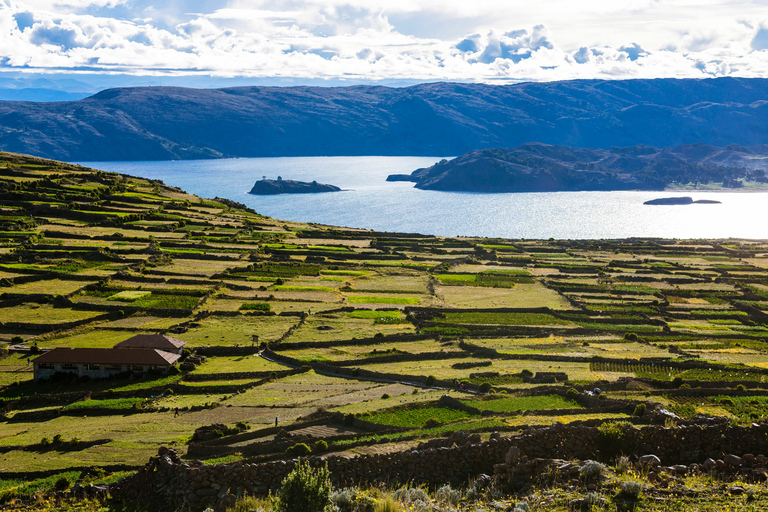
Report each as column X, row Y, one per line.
column 650, row 460
column 733, row 460
column 513, row 455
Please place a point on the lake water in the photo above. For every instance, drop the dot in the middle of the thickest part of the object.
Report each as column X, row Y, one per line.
column 373, row 203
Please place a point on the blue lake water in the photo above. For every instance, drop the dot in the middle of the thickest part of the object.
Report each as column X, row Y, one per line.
column 370, row 202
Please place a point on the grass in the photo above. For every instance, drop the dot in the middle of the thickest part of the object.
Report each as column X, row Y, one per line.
column 523, row 403
column 416, row 417
column 504, row 319
column 116, row 403
column 129, row 295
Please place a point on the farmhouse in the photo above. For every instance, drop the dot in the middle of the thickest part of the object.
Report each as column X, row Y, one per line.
column 141, row 353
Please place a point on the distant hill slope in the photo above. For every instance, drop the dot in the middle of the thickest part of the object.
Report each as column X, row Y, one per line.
column 542, row 167
column 429, row 119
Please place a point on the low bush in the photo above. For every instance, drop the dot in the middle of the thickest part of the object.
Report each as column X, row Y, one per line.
column 298, row 450
column 305, row 489
column 320, row 446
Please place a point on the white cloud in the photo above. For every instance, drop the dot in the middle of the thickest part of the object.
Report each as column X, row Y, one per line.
column 358, row 39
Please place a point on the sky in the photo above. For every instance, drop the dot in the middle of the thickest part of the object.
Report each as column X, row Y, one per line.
column 365, row 41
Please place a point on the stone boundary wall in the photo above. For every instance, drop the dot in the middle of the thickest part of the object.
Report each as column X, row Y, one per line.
column 194, row 487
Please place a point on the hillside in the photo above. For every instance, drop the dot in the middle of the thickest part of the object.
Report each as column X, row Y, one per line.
column 544, row 168
column 396, row 356
column 157, row 123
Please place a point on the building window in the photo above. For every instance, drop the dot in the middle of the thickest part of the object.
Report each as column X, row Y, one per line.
column 68, row 366
column 46, row 366
column 92, row 367
column 113, row 367
column 137, row 368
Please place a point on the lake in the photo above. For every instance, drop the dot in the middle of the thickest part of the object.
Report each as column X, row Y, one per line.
column 368, row 201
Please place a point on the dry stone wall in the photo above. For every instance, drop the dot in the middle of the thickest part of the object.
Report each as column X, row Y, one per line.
column 193, row 487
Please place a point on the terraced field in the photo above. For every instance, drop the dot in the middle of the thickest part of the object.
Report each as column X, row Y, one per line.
column 316, row 325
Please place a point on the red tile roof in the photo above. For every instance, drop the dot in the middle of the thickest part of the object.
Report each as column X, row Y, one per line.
column 159, row 341
column 136, row 356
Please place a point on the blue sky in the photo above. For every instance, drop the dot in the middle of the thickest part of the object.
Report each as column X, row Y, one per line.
column 363, row 41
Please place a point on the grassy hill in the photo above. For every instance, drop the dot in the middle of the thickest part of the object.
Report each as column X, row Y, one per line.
column 314, row 324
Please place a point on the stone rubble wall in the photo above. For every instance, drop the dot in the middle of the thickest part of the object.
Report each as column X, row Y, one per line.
column 194, row 487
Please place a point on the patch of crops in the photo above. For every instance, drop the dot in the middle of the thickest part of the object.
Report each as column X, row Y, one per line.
column 163, row 301
column 368, row 299
column 112, row 403
column 523, row 403
column 345, row 272
column 276, row 270
column 643, row 371
column 703, row 374
column 129, row 295
column 255, row 306
column 715, row 312
column 162, row 381
column 416, row 417
column 374, row 314
column 503, row 318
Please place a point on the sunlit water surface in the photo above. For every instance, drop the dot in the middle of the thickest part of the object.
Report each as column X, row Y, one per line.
column 368, row 201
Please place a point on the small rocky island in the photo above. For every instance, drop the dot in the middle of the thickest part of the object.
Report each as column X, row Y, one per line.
column 265, row 187
column 679, row 200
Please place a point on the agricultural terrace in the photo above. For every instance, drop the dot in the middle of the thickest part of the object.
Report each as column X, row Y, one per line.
column 349, row 336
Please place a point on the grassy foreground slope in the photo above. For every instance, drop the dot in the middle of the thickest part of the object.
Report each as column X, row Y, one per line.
column 295, row 321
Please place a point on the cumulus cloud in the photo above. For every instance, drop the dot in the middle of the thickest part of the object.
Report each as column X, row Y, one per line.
column 358, row 40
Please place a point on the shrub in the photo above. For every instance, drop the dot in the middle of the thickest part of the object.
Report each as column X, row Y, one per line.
column 630, row 336
column 320, row 446
column 74, row 441
column 410, row 495
column 639, row 410
column 485, row 387
column 168, row 391
column 305, row 489
column 572, row 394
column 349, row 419
column 448, row 495
column 58, row 438
column 430, row 380
column 415, row 391
column 630, row 490
column 741, row 387
column 385, row 396
column 432, row 423
column 45, row 442
column 241, row 426
column 592, row 471
column 298, row 450
column 62, row 484
column 526, row 373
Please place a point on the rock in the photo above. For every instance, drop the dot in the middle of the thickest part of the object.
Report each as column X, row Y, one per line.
column 650, row 460
column 279, row 186
column 749, row 459
column 733, row 460
column 680, row 469
column 736, row 490
column 709, row 463
column 495, row 435
column 513, row 455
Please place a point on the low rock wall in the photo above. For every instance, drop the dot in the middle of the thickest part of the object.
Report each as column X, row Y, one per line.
column 193, row 487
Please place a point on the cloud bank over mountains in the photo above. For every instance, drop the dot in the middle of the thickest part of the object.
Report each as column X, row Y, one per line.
column 368, row 40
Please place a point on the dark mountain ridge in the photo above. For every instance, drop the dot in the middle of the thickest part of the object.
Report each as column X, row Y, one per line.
column 148, row 123
column 537, row 167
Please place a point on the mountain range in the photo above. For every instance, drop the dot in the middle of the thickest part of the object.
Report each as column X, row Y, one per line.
column 158, row 123
column 536, row 167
